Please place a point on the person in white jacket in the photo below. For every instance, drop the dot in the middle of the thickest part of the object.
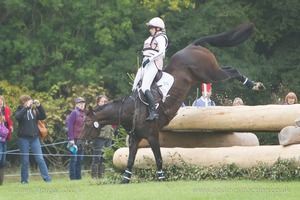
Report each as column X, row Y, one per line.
column 153, row 54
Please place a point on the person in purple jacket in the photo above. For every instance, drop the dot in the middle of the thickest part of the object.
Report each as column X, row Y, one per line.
column 75, row 123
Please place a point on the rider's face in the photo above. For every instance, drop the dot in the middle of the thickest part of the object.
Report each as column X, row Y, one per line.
column 152, row 31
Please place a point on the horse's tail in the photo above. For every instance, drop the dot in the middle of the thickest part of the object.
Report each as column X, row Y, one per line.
column 231, row 38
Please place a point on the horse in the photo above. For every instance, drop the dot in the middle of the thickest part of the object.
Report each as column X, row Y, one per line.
column 192, row 64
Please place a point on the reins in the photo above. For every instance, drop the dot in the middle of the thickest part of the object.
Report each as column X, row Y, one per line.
column 91, row 128
column 133, row 117
column 119, row 117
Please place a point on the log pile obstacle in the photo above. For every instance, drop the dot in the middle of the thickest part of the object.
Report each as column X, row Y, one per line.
column 224, row 126
column 208, row 124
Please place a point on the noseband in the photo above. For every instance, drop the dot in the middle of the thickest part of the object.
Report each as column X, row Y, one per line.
column 95, row 125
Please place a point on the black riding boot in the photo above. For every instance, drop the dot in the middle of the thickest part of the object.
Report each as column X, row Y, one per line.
column 150, row 100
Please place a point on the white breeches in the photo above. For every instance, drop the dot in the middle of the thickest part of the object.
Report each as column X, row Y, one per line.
column 147, row 75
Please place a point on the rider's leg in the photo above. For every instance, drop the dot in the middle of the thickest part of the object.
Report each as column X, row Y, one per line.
column 149, row 75
column 137, row 78
column 151, row 102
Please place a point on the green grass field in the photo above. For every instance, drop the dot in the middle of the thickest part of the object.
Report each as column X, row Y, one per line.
column 62, row 188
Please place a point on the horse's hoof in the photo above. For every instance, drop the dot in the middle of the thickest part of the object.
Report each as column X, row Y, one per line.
column 258, row 86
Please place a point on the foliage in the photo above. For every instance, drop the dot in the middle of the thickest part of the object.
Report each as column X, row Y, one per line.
column 267, row 138
column 163, row 6
column 282, row 170
column 118, row 142
column 58, row 103
column 43, row 43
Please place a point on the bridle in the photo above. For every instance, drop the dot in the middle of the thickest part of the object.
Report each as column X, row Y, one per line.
column 94, row 125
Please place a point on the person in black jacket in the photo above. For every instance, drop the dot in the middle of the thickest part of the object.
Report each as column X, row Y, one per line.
column 28, row 135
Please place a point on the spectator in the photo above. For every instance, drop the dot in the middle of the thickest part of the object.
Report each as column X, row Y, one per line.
column 75, row 124
column 103, row 140
column 205, row 100
column 290, row 98
column 238, row 102
column 6, row 119
column 28, row 136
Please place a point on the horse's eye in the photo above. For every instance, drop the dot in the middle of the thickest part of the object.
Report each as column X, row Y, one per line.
column 96, row 124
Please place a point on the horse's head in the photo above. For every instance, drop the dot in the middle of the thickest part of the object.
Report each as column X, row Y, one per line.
column 91, row 128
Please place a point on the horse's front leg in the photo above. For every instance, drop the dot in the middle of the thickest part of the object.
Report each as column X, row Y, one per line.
column 155, row 146
column 233, row 73
column 133, row 147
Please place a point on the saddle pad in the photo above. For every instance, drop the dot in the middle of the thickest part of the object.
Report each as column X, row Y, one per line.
column 164, row 84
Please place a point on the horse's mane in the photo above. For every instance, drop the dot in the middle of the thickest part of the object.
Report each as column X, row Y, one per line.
column 231, row 38
column 98, row 108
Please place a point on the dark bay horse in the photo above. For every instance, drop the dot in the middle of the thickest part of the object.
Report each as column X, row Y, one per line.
column 192, row 64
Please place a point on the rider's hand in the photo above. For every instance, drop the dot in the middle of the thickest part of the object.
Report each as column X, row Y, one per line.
column 145, row 62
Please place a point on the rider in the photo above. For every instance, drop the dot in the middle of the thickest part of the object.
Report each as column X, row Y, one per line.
column 153, row 55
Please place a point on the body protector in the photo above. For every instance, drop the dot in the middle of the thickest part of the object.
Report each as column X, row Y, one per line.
column 155, row 48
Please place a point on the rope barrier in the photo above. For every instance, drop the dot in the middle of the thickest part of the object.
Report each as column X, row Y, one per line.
column 49, row 154
column 45, row 145
column 11, row 152
column 39, row 174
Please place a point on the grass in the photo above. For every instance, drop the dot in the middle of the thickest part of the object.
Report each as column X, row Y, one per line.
column 62, row 188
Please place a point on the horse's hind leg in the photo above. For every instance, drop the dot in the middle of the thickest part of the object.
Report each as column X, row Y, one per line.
column 154, row 144
column 133, row 147
column 235, row 74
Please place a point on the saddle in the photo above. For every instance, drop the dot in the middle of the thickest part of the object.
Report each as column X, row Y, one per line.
column 159, row 88
column 157, row 94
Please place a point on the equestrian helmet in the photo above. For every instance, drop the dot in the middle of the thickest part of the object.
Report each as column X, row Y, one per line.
column 156, row 22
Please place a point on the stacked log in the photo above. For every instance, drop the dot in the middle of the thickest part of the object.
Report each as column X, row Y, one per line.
column 244, row 157
column 265, row 118
column 203, row 139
